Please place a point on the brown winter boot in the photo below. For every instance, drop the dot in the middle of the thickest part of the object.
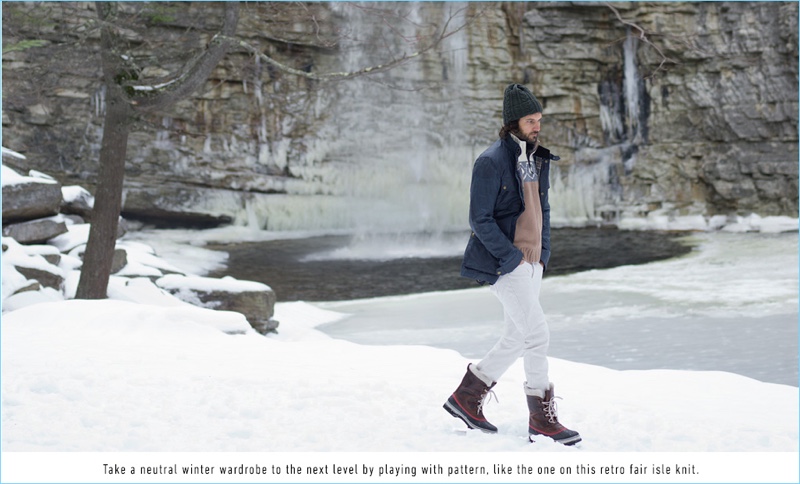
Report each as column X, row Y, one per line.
column 466, row 402
column 544, row 420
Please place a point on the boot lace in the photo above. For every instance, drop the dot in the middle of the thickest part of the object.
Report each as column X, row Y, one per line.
column 487, row 395
column 551, row 409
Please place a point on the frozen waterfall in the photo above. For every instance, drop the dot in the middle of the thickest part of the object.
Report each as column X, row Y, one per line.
column 392, row 156
column 588, row 190
column 396, row 155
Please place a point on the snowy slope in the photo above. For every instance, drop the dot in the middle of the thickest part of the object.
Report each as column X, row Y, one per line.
column 165, row 380
column 112, row 376
column 145, row 379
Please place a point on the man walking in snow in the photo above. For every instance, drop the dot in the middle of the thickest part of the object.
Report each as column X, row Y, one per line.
column 509, row 248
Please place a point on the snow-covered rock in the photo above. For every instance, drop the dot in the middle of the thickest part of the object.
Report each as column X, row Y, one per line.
column 28, row 198
column 36, row 231
column 42, row 257
column 253, row 299
column 77, row 201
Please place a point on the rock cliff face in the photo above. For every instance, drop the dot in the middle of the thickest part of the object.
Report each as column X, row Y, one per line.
column 667, row 108
column 713, row 129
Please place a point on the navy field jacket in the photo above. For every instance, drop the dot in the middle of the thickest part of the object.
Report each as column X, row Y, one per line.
column 496, row 201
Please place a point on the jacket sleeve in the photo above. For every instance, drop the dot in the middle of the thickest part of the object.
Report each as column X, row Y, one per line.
column 545, row 229
column 484, row 190
column 545, row 154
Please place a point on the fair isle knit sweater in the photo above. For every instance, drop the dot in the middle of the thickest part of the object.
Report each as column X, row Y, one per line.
column 528, row 236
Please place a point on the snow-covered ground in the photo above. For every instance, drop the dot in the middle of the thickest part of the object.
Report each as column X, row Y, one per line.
column 142, row 381
column 141, row 386
column 112, row 376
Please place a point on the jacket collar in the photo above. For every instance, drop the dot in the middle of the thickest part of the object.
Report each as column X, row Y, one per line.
column 513, row 144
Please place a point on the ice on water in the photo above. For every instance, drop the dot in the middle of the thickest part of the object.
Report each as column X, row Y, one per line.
column 731, row 305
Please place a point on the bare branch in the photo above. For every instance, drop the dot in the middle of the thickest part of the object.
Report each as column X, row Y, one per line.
column 321, row 45
column 194, row 74
column 642, row 36
column 336, row 76
column 321, row 77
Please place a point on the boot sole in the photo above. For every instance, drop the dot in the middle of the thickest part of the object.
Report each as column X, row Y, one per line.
column 456, row 412
column 565, row 441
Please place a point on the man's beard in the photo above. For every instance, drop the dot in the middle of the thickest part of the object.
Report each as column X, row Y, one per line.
column 532, row 140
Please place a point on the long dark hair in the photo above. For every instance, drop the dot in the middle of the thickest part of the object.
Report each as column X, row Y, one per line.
column 511, row 127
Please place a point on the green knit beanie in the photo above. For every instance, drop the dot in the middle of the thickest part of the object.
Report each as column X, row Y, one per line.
column 518, row 102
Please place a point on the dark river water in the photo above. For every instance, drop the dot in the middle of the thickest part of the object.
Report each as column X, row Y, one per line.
column 284, row 265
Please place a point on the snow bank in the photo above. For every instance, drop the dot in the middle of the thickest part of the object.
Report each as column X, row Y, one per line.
column 700, row 223
column 11, row 177
column 113, row 376
column 7, row 152
column 209, row 284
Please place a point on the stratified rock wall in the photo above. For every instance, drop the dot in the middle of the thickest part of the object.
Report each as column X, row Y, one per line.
column 664, row 107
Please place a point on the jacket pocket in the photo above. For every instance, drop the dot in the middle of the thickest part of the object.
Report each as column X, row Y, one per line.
column 508, row 202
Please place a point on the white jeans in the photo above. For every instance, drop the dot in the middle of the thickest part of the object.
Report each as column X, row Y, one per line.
column 526, row 332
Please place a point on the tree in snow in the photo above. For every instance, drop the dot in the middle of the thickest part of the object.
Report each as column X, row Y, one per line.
column 139, row 88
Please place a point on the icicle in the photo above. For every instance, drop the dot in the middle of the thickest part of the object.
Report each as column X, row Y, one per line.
column 588, row 190
column 631, row 85
column 100, row 101
column 611, row 122
column 162, row 135
column 257, row 83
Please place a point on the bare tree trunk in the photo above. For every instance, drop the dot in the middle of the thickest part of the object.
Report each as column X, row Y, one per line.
column 99, row 254
column 123, row 99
